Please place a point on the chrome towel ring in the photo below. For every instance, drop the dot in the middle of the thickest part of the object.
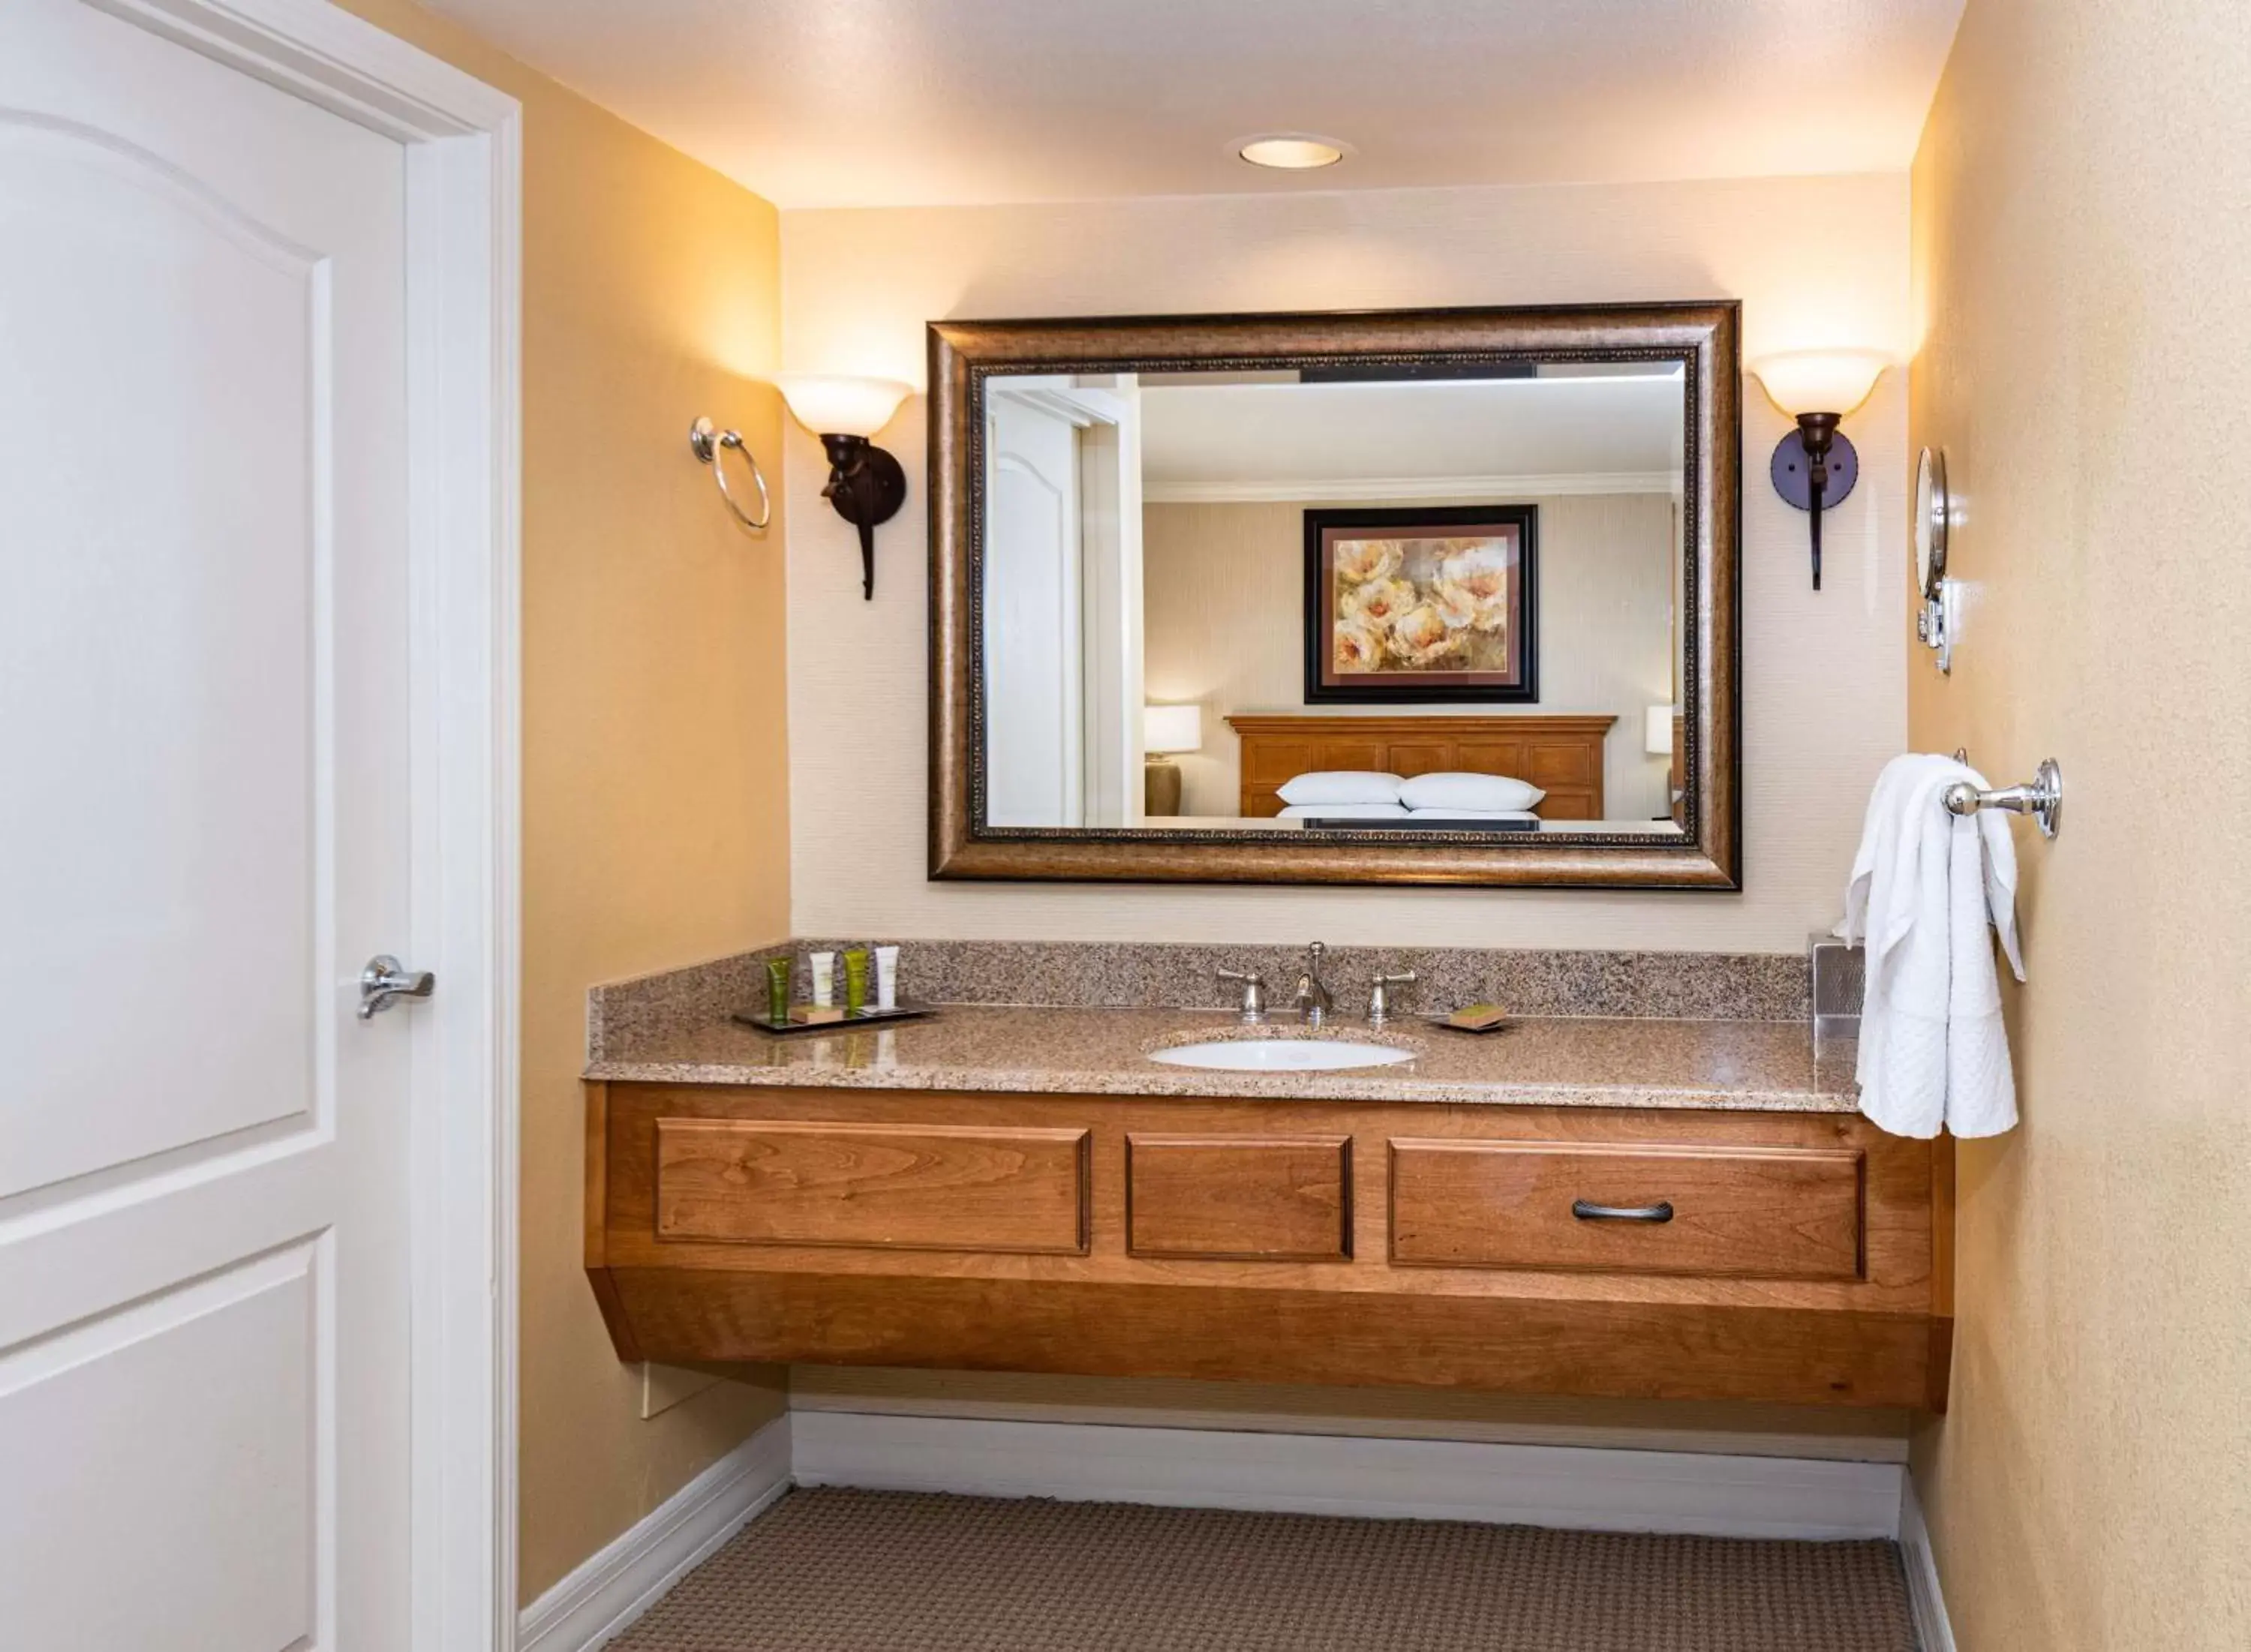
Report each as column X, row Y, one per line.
column 706, row 441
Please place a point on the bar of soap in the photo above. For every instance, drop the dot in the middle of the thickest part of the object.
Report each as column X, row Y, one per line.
column 1477, row 1018
column 815, row 1014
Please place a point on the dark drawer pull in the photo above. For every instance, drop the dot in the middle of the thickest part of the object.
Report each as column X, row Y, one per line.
column 1660, row 1211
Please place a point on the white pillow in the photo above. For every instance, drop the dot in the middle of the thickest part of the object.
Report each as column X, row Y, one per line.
column 1472, row 814
column 1344, row 811
column 1340, row 785
column 1496, row 792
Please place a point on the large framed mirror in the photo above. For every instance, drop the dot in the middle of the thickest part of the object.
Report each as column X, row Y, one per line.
column 1441, row 596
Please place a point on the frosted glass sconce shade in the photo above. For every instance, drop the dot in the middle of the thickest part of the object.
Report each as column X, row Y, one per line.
column 1820, row 381
column 831, row 405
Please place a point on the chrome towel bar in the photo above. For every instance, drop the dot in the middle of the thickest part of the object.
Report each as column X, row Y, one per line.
column 2042, row 800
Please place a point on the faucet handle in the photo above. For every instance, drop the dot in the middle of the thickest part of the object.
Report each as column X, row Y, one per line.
column 1378, row 993
column 1254, row 993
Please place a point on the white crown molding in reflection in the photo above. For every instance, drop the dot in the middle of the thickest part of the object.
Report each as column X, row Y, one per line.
column 1356, row 488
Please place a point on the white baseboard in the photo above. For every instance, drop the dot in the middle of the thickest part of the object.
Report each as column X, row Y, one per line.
column 604, row 1595
column 1000, row 1397
column 1577, row 1488
column 1929, row 1605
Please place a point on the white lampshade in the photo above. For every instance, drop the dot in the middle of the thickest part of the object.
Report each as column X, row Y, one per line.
column 1172, row 727
column 1820, row 381
column 1657, row 731
column 832, row 405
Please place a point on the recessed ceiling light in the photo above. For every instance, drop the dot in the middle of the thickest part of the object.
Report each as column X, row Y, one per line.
column 1292, row 151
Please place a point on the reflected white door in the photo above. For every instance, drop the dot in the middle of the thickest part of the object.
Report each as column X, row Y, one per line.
column 204, row 834
column 1111, row 596
column 1033, row 668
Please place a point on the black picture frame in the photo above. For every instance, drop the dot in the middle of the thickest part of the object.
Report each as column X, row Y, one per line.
column 1422, row 688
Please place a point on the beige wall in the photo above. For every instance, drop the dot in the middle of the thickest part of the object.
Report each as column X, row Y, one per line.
column 1819, row 260
column 654, row 766
column 2081, row 245
column 1223, row 624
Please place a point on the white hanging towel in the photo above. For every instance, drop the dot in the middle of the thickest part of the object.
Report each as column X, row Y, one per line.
column 1925, row 884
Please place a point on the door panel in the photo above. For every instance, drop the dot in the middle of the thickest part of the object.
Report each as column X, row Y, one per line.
column 204, row 1250
column 204, row 1400
column 165, row 857
column 1034, row 678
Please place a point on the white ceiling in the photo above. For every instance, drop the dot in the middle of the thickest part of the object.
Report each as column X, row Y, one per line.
column 898, row 102
column 1603, row 434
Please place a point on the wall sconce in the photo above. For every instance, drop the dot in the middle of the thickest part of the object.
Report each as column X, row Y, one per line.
column 1166, row 729
column 865, row 483
column 1816, row 464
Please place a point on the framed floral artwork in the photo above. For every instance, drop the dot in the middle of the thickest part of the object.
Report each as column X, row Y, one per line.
column 1431, row 604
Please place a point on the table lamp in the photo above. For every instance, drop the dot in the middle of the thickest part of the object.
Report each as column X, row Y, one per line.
column 1166, row 729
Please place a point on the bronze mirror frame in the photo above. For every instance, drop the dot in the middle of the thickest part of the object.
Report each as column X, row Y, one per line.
column 1701, row 336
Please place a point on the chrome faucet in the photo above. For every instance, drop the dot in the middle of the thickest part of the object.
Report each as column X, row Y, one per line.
column 1378, row 993
column 1313, row 1001
column 1254, row 993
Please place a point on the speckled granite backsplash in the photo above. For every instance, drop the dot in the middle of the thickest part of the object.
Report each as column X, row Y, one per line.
column 1696, row 986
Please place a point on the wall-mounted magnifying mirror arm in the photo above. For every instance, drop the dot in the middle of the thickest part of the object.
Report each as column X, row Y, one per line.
column 866, row 487
column 1937, row 621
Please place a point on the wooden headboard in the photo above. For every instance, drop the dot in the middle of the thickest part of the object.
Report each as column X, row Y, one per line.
column 1561, row 755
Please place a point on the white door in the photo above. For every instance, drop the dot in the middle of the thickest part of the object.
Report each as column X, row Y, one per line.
column 1033, row 648
column 204, row 834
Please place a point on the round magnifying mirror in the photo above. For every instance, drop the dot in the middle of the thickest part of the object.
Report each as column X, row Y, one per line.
column 1931, row 508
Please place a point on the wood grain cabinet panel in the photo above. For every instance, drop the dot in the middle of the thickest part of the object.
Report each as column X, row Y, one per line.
column 1807, row 1258
column 911, row 1186
column 1782, row 1213
column 1284, row 1198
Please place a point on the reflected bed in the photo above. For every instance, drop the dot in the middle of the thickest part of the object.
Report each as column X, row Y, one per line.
column 1561, row 755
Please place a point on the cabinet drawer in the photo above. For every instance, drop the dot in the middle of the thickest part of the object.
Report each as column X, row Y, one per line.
column 1265, row 1197
column 912, row 1186
column 1775, row 1213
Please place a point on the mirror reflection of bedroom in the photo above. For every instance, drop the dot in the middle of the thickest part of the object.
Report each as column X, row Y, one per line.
column 1355, row 598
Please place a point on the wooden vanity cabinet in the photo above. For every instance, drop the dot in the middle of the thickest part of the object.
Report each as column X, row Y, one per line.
column 1774, row 1256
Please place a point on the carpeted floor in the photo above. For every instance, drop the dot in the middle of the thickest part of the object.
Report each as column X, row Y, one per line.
column 834, row 1571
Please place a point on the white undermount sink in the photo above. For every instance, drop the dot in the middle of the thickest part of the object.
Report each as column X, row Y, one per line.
column 1282, row 1055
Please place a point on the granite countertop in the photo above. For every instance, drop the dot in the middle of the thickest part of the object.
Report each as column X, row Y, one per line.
column 1574, row 1061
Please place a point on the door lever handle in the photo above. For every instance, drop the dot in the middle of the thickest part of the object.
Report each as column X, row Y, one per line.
column 386, row 979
